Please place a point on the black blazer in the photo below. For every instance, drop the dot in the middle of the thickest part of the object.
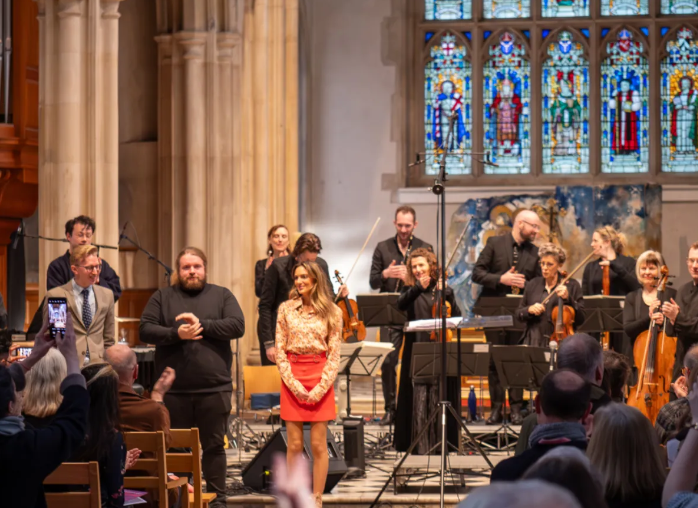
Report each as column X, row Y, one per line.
column 539, row 328
column 497, row 258
column 259, row 269
column 636, row 314
column 622, row 273
column 278, row 282
column 386, row 252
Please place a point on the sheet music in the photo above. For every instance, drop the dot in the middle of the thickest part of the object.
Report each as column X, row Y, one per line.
column 428, row 325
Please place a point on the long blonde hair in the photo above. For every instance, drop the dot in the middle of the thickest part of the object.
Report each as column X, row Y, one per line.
column 42, row 394
column 609, row 234
column 625, row 450
column 320, row 297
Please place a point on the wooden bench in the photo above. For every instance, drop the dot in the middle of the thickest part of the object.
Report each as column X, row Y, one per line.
column 75, row 473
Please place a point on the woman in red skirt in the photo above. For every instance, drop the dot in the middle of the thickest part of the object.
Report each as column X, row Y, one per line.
column 308, row 338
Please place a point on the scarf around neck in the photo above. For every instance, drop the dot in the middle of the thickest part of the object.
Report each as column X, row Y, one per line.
column 558, row 433
column 11, row 425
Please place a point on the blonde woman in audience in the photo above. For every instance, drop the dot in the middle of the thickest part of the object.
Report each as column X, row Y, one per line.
column 42, row 395
column 625, row 450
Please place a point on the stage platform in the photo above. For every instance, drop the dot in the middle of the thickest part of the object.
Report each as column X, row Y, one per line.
column 416, row 485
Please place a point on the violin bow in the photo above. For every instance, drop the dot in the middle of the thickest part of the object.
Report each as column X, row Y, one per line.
column 368, row 238
column 569, row 276
column 455, row 248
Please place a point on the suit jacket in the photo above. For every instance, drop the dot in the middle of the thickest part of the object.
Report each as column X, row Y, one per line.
column 101, row 333
column 386, row 252
column 497, row 258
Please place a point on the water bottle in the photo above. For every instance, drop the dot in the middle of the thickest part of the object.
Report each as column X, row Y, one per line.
column 472, row 403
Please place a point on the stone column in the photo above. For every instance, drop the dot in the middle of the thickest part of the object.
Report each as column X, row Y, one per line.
column 78, row 144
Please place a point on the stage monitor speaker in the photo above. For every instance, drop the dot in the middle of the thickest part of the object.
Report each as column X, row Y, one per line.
column 258, row 474
column 354, row 443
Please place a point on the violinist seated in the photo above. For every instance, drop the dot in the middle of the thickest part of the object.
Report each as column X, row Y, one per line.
column 642, row 305
column 416, row 403
column 540, row 327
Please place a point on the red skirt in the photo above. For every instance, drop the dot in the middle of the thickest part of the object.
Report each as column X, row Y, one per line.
column 308, row 370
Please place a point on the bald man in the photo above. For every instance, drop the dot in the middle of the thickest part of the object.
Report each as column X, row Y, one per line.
column 139, row 414
column 507, row 262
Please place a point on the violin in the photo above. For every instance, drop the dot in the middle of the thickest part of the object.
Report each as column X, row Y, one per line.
column 563, row 317
column 654, row 355
column 353, row 329
column 440, row 308
column 606, row 290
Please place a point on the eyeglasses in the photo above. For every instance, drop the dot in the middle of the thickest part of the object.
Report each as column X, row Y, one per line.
column 93, row 268
column 536, row 227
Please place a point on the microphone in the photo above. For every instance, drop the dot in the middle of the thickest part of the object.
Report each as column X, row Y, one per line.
column 20, row 230
column 121, row 235
column 417, row 162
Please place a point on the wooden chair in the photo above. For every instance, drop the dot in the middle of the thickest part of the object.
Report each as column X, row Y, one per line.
column 69, row 473
column 152, row 443
column 189, row 463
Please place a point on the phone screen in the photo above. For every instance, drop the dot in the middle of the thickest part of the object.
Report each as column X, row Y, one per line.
column 23, row 351
column 57, row 315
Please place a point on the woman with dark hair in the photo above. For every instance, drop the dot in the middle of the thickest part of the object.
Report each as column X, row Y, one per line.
column 277, row 247
column 104, row 442
column 308, row 340
column 415, row 402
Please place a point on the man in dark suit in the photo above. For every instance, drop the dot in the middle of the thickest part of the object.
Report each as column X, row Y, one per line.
column 507, row 262
column 278, row 282
column 388, row 271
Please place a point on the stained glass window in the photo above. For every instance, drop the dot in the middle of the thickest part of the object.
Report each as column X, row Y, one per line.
column 565, row 8
column 447, row 94
column 565, row 107
column 506, row 98
column 679, row 6
column 624, row 107
column 624, row 7
column 496, row 9
column 679, row 89
column 447, row 9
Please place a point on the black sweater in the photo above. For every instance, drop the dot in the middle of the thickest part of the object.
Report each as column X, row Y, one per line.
column 28, row 457
column 59, row 273
column 202, row 366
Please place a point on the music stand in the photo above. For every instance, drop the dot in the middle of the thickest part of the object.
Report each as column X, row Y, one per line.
column 500, row 306
column 519, row 367
column 380, row 310
column 361, row 359
column 602, row 314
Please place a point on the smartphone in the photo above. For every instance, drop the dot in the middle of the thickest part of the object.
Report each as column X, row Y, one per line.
column 22, row 351
column 57, row 315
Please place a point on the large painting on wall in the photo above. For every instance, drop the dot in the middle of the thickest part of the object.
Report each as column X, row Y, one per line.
column 569, row 216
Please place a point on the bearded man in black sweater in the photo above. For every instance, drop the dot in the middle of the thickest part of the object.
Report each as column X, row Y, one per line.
column 191, row 324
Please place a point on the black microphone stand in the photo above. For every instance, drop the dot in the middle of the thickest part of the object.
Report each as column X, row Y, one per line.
column 168, row 270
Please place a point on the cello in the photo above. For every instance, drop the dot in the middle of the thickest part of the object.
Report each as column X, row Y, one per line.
column 654, row 354
column 353, row 329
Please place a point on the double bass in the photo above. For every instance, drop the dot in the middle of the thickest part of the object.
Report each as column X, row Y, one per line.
column 654, row 355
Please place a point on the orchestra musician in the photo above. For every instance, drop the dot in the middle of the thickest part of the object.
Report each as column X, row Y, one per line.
column 278, row 282
column 642, row 306
column 388, row 272
column 308, row 340
column 416, row 401
column 278, row 239
column 609, row 245
column 507, row 262
column 682, row 311
column 538, row 317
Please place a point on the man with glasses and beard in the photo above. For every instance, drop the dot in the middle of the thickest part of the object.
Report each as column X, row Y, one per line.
column 503, row 267
column 191, row 324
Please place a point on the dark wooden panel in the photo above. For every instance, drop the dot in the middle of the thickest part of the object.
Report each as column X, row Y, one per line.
column 32, row 303
column 131, row 305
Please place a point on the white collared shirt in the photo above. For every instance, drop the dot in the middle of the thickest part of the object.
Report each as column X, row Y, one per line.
column 77, row 291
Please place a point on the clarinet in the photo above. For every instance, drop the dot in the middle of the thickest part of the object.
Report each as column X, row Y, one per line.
column 404, row 259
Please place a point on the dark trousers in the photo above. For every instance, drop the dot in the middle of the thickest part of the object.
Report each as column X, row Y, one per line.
column 497, row 392
column 388, row 374
column 263, row 353
column 209, row 412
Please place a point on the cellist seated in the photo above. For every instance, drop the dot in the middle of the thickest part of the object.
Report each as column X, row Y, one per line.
column 540, row 327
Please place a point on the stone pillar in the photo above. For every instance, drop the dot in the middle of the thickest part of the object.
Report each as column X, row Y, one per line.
column 228, row 135
column 78, row 144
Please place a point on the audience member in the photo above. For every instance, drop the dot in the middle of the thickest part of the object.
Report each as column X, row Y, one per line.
column 680, row 484
column 675, row 414
column 569, row 468
column 42, row 395
column 28, row 456
column 616, row 371
column 104, row 442
column 523, row 494
column 625, row 450
column 139, row 414
column 562, row 405
column 580, row 353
